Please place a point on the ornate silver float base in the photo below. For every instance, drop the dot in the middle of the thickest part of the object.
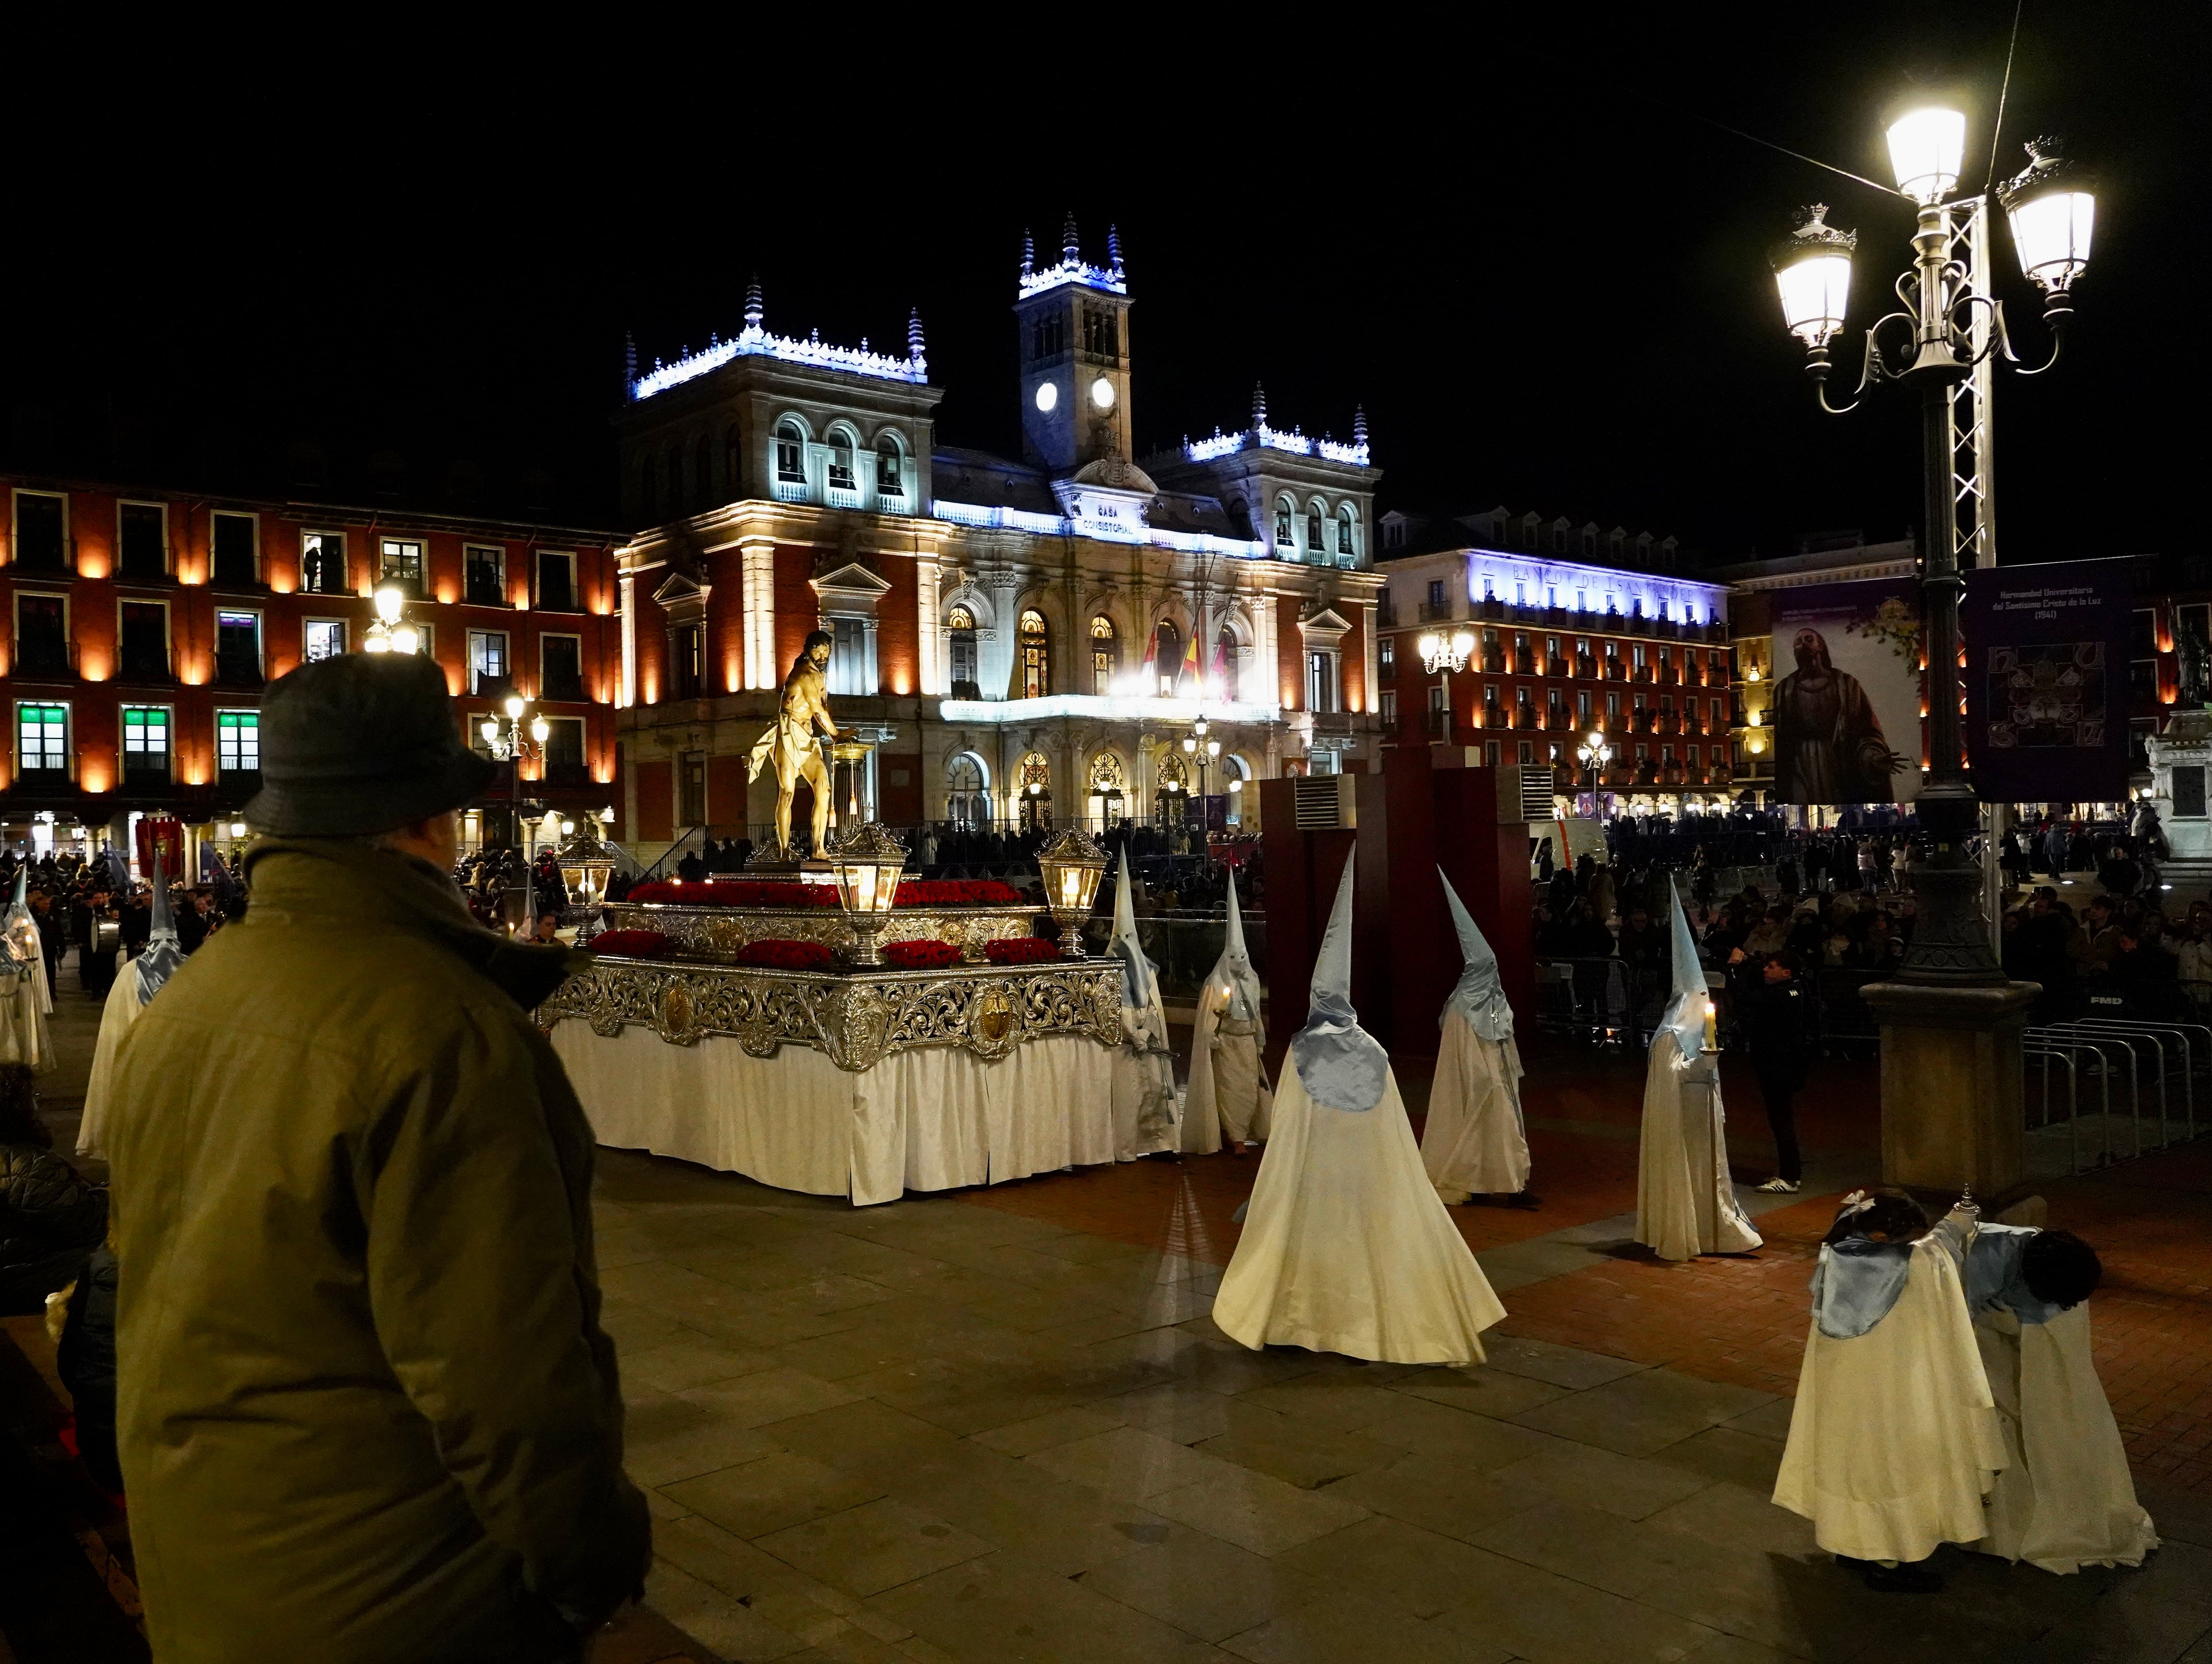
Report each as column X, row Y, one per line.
column 717, row 933
column 857, row 1018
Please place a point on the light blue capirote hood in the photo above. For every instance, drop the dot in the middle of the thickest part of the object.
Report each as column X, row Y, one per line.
column 1139, row 976
column 157, row 962
column 1233, row 970
column 1339, row 1063
column 1686, row 1008
column 1479, row 996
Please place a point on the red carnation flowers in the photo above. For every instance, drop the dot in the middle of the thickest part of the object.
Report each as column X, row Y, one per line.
column 1021, row 950
column 735, row 892
column 782, row 953
column 630, row 943
column 920, row 955
column 956, row 892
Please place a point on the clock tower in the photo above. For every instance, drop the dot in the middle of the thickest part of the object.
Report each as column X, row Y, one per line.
column 1075, row 325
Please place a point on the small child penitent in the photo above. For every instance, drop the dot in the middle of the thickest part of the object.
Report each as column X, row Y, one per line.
column 1922, row 1394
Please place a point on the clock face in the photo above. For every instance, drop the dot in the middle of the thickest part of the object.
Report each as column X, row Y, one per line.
column 1101, row 394
column 1047, row 395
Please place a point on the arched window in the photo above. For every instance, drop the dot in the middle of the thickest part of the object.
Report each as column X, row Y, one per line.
column 891, row 467
column 1033, row 793
column 1109, row 791
column 1105, row 654
column 703, row 474
column 961, row 623
column 1240, row 519
column 1285, row 543
column 841, row 461
column 790, row 453
column 1222, row 682
column 967, row 795
column 1346, row 520
column 1315, row 546
column 1167, row 657
column 1036, row 650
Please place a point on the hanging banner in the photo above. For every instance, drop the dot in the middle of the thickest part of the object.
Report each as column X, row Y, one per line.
column 2046, row 681
column 1846, row 703
column 164, row 833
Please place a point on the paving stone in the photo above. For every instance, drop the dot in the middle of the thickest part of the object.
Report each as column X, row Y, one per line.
column 1730, row 1517
column 1628, row 1486
column 1324, row 1397
column 1646, row 1412
column 1337, row 1630
column 687, row 1358
column 811, row 1612
column 1054, row 1526
column 861, row 1431
column 993, row 1611
column 1301, row 1453
column 1485, row 1391
column 1200, row 1584
column 1548, row 1619
column 1562, row 1366
column 1434, row 1430
column 706, row 1613
column 1446, row 1498
column 775, row 1395
column 666, row 1440
column 1256, row 1512
column 876, row 1546
column 1722, row 1453
column 1127, row 1461
column 1393, row 1564
column 756, row 1497
column 1023, row 1438
column 1592, row 1546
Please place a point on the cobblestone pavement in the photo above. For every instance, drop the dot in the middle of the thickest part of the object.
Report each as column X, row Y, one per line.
column 1000, row 1425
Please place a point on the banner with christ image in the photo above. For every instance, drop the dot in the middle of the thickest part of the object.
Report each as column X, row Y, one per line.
column 2046, row 681
column 1846, row 701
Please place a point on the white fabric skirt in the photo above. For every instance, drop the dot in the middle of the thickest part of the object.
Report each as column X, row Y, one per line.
column 2065, row 1499
column 1474, row 1142
column 1894, row 1438
column 1686, row 1201
column 1347, row 1248
column 929, row 1118
column 115, row 1020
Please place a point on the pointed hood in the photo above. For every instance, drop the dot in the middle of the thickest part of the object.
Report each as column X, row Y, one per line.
column 1339, row 1063
column 1686, row 1006
column 1139, row 976
column 118, row 870
column 1479, row 996
column 157, row 962
column 1232, row 974
column 19, row 931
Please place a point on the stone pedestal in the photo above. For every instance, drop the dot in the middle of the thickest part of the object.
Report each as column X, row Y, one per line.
column 1951, row 1114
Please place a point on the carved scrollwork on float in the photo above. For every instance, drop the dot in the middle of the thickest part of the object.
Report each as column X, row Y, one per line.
column 857, row 1018
column 718, row 933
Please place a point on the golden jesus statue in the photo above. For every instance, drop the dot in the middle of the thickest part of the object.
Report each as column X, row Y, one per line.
column 792, row 742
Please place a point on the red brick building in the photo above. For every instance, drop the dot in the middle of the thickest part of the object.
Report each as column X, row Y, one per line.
column 140, row 627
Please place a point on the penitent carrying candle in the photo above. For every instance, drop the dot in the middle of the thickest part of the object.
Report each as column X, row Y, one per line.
column 1712, row 1042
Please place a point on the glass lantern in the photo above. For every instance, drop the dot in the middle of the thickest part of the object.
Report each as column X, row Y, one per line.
column 1072, row 866
column 586, row 864
column 868, row 862
column 1813, row 269
column 2053, row 210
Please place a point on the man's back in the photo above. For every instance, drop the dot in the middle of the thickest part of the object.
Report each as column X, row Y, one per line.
column 364, row 1400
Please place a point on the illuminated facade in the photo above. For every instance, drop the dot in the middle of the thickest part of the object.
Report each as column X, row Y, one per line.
column 1024, row 640
column 1561, row 642
column 141, row 627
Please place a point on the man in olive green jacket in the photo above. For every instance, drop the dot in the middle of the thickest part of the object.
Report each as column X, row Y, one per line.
column 366, row 1411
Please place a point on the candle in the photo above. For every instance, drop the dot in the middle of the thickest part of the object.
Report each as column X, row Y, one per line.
column 1712, row 1040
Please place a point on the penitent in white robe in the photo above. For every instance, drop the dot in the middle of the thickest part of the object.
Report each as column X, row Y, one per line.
column 1894, row 1439
column 1347, row 1248
column 2065, row 1499
column 1228, row 1100
column 1476, row 1142
column 1685, row 1202
column 25, row 1036
column 1143, row 1086
column 115, row 1020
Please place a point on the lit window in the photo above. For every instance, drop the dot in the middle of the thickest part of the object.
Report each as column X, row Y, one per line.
column 484, row 571
column 488, row 666
column 238, row 742
column 145, row 740
column 326, row 639
column 841, row 461
column 322, row 562
column 790, row 454
column 961, row 624
column 890, row 478
column 1036, row 656
column 43, row 738
column 237, row 648
column 1343, row 531
column 1284, row 539
column 402, row 564
column 1105, row 655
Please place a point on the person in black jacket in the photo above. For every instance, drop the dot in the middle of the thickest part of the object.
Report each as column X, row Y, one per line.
column 51, row 1219
column 85, row 1362
column 1769, row 1008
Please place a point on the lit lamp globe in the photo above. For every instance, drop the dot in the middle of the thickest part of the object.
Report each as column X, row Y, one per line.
column 587, row 864
column 2053, row 210
column 540, row 730
column 1430, row 645
column 867, row 864
column 1813, row 269
column 1072, row 866
column 1462, row 645
column 514, row 706
column 1926, row 147
column 490, row 729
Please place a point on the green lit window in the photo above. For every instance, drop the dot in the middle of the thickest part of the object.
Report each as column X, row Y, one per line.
column 43, row 732
column 238, row 741
column 145, row 739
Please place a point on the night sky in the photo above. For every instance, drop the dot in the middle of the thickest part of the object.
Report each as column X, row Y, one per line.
column 1541, row 274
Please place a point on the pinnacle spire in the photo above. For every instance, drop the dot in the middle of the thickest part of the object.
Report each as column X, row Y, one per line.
column 1070, row 247
column 1114, row 249
column 1028, row 252
column 753, row 309
column 913, row 343
column 1359, row 425
column 1259, row 405
column 630, row 358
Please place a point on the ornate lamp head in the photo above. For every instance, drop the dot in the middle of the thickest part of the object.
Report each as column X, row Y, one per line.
column 1813, row 269
column 2052, row 205
column 1072, row 866
column 867, row 861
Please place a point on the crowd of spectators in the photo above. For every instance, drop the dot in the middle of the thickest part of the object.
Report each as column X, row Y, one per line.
column 92, row 903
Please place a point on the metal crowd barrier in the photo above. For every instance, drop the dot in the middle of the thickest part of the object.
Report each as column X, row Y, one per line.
column 2129, row 1089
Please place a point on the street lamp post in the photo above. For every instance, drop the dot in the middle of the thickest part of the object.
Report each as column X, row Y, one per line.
column 1196, row 744
column 507, row 744
column 389, row 631
column 1440, row 652
column 1947, row 330
column 1593, row 756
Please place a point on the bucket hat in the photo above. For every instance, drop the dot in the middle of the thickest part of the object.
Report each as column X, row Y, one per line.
column 358, row 744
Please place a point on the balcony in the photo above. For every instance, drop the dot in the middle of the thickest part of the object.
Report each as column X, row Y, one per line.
column 54, row 660
column 485, row 589
column 1585, row 666
column 1555, row 667
column 1433, row 612
column 1615, row 670
column 238, row 669
column 564, row 690
column 146, row 666
column 1493, row 664
column 142, row 775
column 568, row 774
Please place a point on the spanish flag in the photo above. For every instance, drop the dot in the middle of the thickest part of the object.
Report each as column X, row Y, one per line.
column 1187, row 678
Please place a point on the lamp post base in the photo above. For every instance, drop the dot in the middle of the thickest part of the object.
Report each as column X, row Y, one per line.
column 1951, row 1108
column 1071, row 942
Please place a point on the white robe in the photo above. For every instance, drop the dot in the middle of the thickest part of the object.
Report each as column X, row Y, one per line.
column 1894, row 1439
column 1347, row 1248
column 1476, row 1142
column 1685, row 1202
column 1228, row 1099
column 25, row 1036
column 115, row 1020
column 1144, row 1084
column 2065, row 1499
